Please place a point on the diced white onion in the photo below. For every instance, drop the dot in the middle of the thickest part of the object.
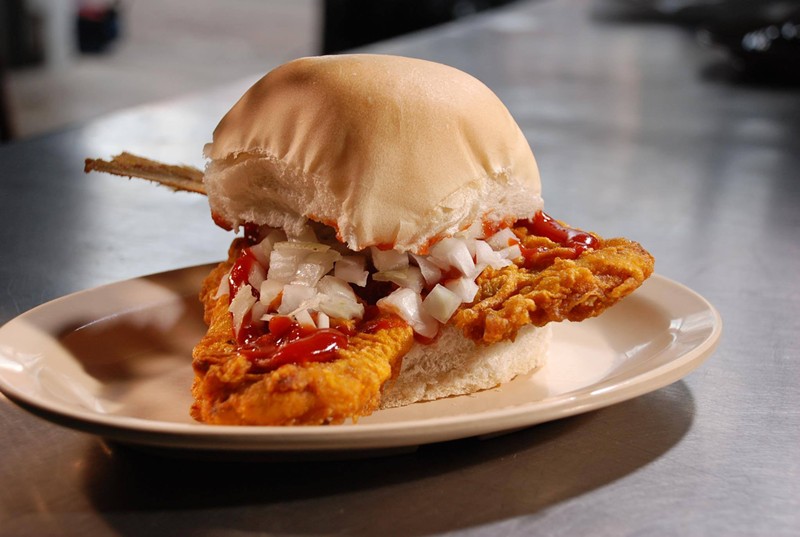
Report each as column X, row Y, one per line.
column 512, row 252
column 454, row 252
column 333, row 286
column 471, row 245
column 310, row 276
column 258, row 310
column 502, row 239
column 486, row 257
column 340, row 307
column 306, row 235
column 240, row 305
column 303, row 318
column 314, row 267
column 388, row 259
column 301, row 246
column 294, row 295
column 350, row 268
column 257, row 275
column 464, row 287
column 263, row 249
column 408, row 305
column 410, row 277
column 430, row 271
column 283, row 263
column 441, row 303
column 270, row 289
column 224, row 286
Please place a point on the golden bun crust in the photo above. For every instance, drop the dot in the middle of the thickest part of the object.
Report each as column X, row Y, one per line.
column 388, row 150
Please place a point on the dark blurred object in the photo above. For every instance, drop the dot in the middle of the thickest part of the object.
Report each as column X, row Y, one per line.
column 6, row 123
column 98, row 26
column 763, row 41
column 19, row 46
column 762, row 38
column 20, row 34
column 353, row 23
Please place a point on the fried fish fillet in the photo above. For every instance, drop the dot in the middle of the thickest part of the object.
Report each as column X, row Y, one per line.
column 227, row 392
column 546, row 286
column 550, row 288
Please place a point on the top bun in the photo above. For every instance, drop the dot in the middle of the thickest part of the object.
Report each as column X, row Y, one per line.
column 390, row 151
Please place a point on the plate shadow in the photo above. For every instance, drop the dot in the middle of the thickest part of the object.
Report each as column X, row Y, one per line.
column 439, row 487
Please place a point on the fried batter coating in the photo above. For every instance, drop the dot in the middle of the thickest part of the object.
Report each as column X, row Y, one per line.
column 544, row 286
column 553, row 288
column 226, row 392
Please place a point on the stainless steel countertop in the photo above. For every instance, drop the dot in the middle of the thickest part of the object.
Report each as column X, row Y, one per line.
column 636, row 134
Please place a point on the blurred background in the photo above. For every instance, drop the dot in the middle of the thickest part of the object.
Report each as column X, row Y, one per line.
column 63, row 62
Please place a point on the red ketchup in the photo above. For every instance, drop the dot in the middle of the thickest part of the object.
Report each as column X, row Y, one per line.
column 573, row 241
column 281, row 341
column 240, row 272
column 289, row 343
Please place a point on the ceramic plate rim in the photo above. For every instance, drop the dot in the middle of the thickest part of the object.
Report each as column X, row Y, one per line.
column 190, row 436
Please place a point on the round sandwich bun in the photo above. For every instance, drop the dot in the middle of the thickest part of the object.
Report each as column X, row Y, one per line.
column 389, row 151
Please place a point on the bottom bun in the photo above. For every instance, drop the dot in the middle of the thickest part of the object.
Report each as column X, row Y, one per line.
column 455, row 365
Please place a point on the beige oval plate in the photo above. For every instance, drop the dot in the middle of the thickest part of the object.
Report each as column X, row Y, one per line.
column 116, row 361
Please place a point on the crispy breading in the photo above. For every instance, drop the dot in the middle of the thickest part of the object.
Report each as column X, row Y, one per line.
column 546, row 287
column 554, row 289
column 227, row 392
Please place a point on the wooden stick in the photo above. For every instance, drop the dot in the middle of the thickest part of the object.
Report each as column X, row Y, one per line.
column 186, row 178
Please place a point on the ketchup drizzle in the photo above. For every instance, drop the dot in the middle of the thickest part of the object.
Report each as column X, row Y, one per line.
column 544, row 225
column 295, row 344
column 269, row 345
column 240, row 272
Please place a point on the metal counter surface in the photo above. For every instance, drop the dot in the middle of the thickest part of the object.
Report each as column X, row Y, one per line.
column 636, row 133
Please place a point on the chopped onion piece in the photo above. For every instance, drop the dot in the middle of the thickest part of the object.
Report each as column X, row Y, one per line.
column 486, row 257
column 454, row 252
column 308, row 274
column 224, row 286
column 283, row 263
column 441, row 303
column 306, row 235
column 258, row 311
column 408, row 305
column 323, row 321
column 294, row 295
column 410, row 277
column 305, row 247
column 471, row 245
column 314, row 267
column 430, row 271
column 388, row 259
column 304, row 318
column 350, row 268
column 512, row 252
column 257, row 275
column 270, row 289
column 502, row 239
column 240, row 305
column 263, row 249
column 340, row 307
column 464, row 287
column 333, row 286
